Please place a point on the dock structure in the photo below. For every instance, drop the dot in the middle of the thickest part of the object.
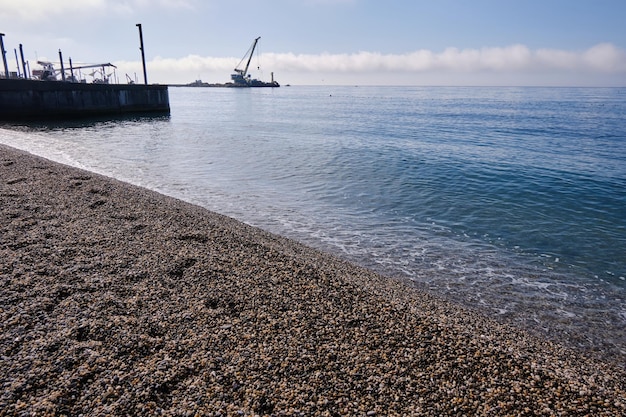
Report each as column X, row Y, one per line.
column 45, row 97
column 33, row 99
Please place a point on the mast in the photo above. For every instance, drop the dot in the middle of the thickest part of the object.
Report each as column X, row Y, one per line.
column 143, row 55
column 4, row 57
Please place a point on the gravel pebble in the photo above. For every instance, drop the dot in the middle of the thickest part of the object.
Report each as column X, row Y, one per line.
column 117, row 300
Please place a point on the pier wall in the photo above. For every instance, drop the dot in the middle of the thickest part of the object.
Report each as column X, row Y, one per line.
column 27, row 99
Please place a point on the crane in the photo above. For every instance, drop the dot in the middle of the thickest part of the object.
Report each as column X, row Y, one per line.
column 49, row 73
column 241, row 74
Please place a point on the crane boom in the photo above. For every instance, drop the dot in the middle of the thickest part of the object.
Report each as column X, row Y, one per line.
column 95, row 66
column 244, row 71
column 251, row 53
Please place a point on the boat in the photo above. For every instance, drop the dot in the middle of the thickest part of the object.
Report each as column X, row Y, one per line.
column 41, row 95
column 241, row 77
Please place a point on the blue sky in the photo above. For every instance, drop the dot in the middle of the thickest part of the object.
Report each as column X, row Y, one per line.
column 380, row 42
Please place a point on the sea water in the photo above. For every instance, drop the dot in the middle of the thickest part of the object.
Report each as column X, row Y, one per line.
column 509, row 200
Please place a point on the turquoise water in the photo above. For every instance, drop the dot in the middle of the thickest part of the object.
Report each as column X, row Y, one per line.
column 510, row 200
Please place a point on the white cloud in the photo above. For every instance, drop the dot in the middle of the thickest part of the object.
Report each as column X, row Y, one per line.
column 34, row 10
column 37, row 10
column 553, row 58
column 605, row 57
column 190, row 63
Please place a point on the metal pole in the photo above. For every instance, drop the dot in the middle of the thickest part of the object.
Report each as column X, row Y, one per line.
column 17, row 63
column 72, row 71
column 4, row 56
column 23, row 63
column 62, row 68
column 143, row 55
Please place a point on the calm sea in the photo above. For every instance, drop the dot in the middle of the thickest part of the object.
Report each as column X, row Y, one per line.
column 510, row 200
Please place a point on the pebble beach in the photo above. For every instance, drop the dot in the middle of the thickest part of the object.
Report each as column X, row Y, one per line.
column 117, row 300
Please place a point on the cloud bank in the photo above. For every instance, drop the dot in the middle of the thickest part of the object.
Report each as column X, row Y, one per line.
column 596, row 63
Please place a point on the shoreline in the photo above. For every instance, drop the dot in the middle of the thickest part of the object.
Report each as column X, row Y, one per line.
column 117, row 299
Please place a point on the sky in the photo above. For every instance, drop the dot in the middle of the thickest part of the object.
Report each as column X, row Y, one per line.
column 330, row 42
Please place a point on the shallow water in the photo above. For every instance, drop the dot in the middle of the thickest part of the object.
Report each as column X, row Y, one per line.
column 512, row 200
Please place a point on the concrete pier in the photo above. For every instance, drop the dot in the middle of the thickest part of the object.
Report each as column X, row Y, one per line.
column 33, row 99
